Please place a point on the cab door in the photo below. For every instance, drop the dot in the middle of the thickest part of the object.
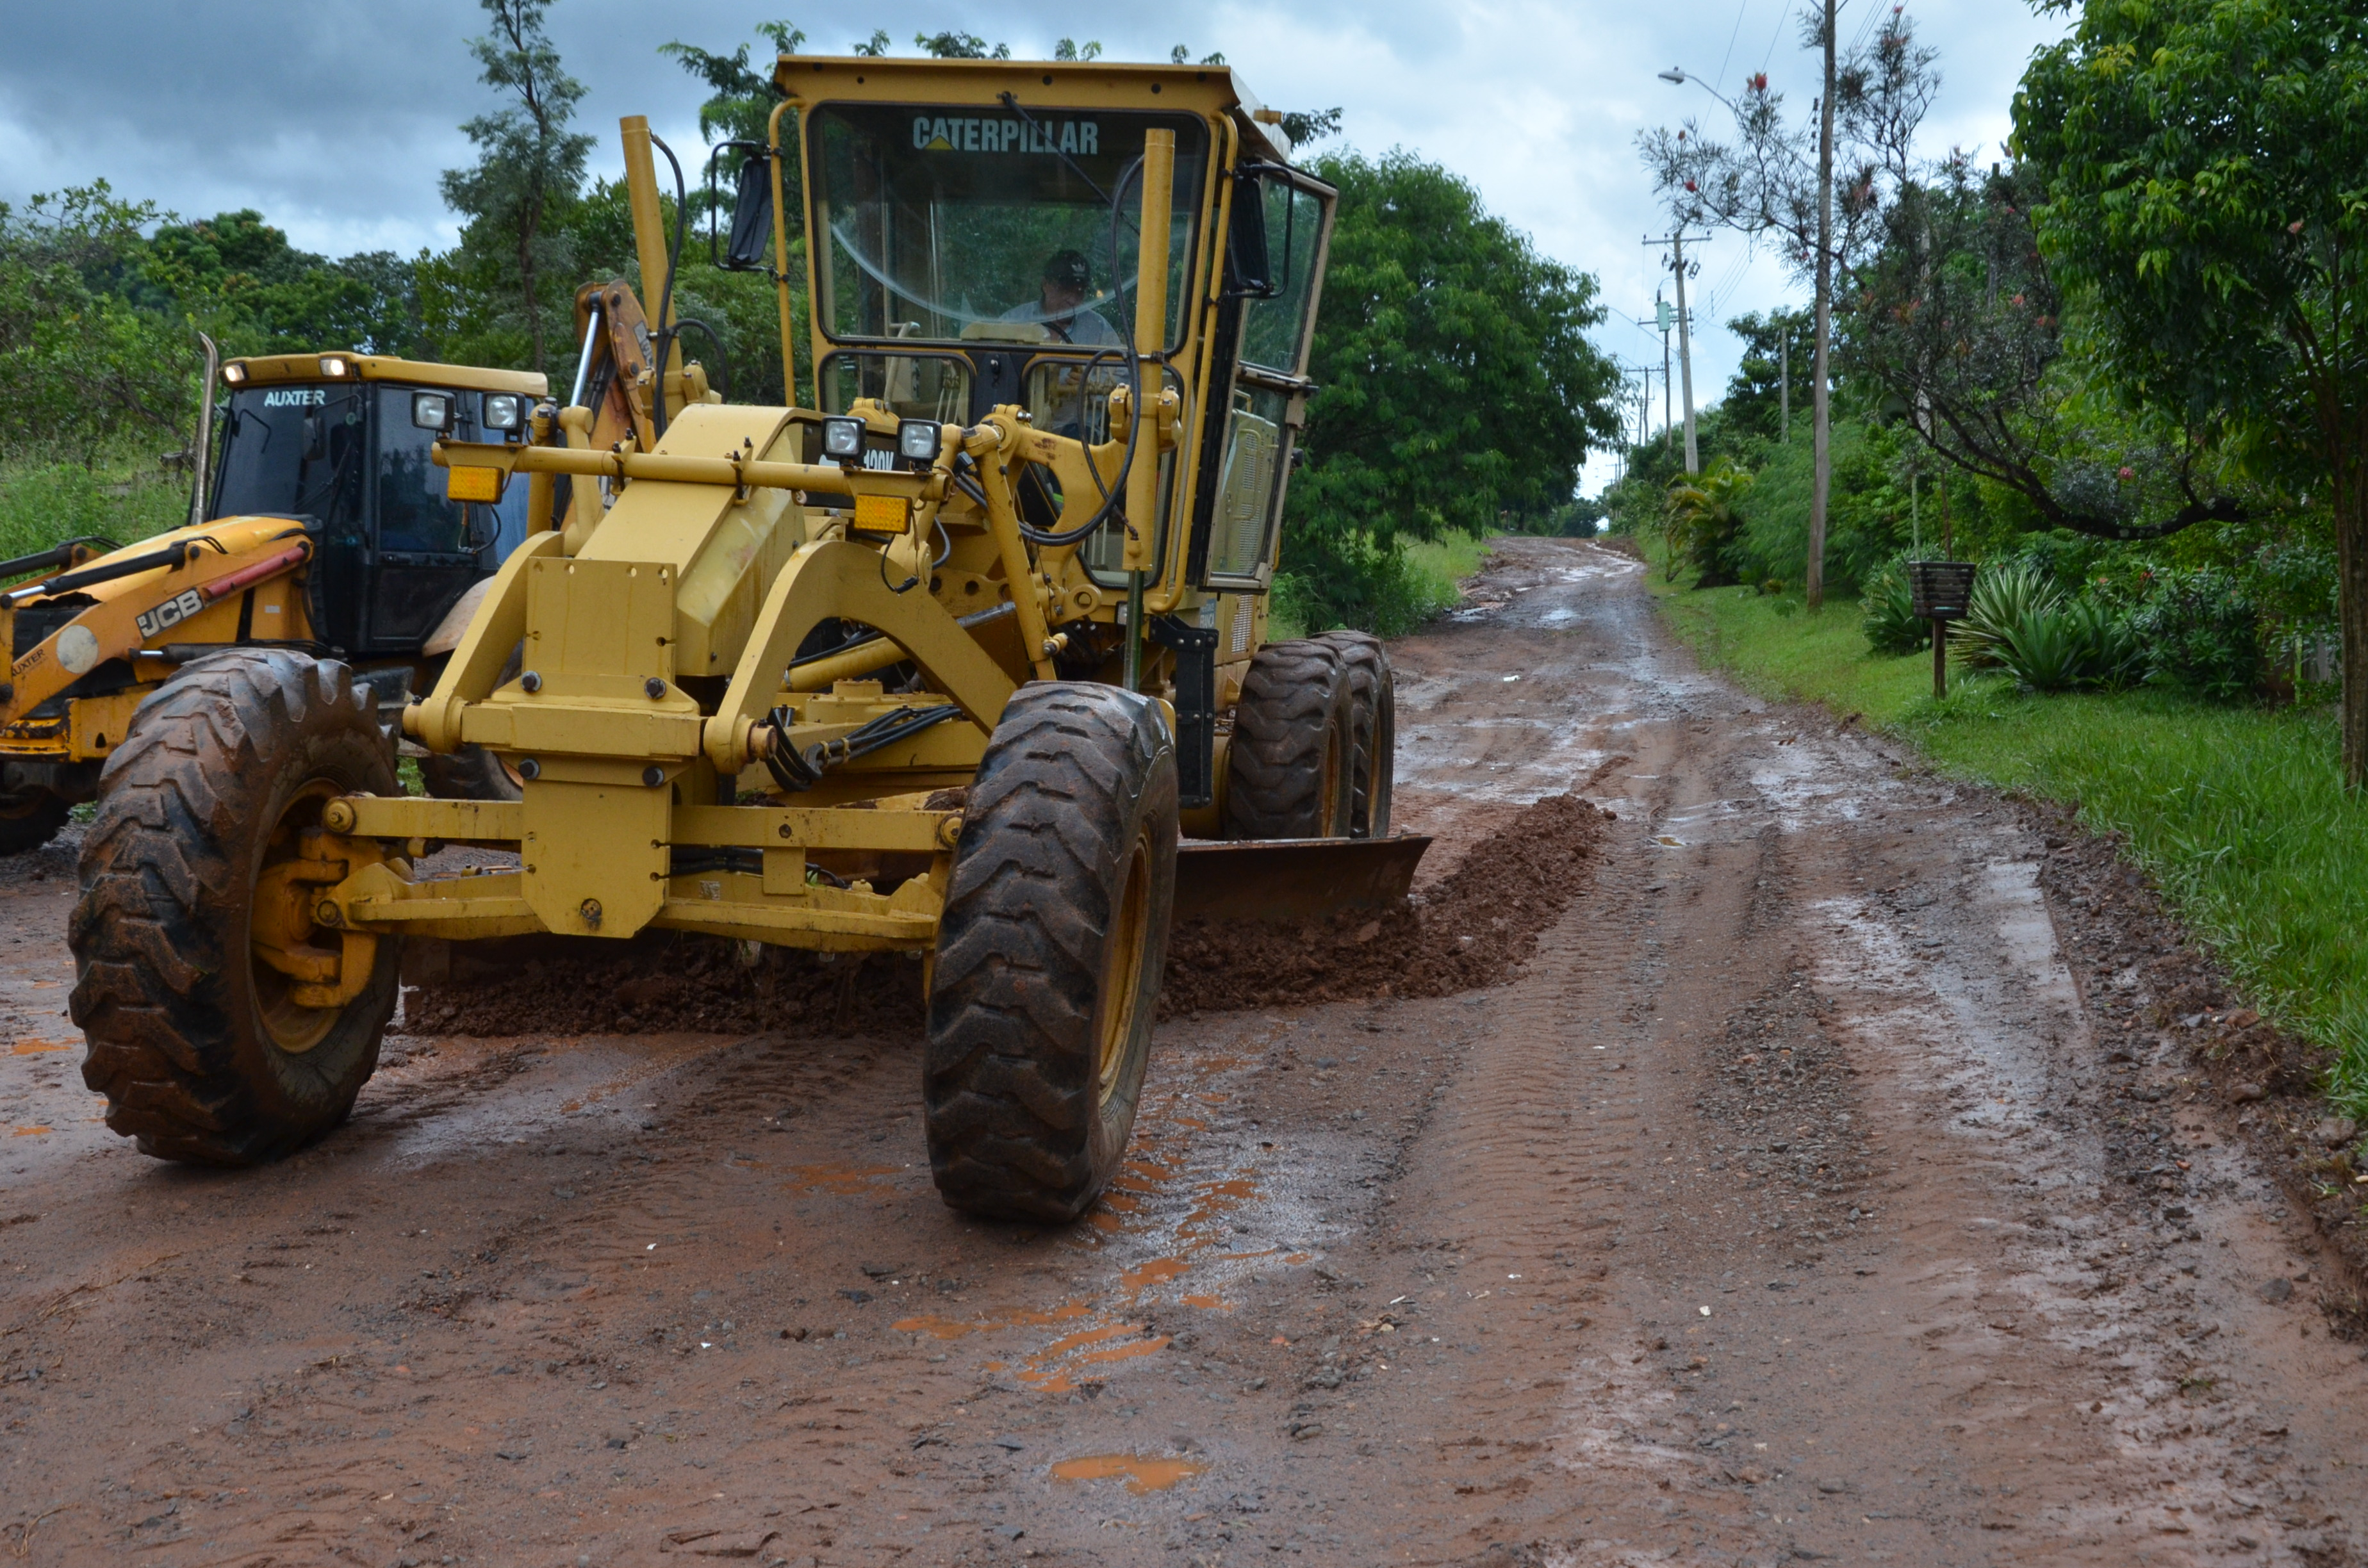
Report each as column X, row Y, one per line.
column 424, row 548
column 1275, row 257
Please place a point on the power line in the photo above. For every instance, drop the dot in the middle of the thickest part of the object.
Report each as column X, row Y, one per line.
column 1736, row 32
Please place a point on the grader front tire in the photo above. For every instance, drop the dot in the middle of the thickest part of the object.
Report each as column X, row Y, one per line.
column 1054, row 935
column 202, row 1049
column 1291, row 768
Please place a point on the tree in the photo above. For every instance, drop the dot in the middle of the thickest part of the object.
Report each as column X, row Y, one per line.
column 529, row 163
column 1958, row 317
column 959, row 46
column 2204, row 201
column 1779, row 178
column 1457, row 379
column 744, row 97
column 1778, row 349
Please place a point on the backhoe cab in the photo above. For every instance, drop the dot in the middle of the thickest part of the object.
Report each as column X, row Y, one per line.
column 324, row 526
column 947, row 663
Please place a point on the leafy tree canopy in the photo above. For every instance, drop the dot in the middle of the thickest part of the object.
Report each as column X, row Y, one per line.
column 2205, row 165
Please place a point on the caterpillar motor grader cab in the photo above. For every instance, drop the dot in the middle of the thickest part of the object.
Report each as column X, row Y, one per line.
column 324, row 528
column 946, row 663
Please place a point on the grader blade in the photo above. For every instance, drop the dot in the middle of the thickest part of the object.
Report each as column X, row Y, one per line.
column 1294, row 879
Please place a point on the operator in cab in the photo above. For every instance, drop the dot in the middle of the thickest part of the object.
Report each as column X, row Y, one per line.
column 1060, row 306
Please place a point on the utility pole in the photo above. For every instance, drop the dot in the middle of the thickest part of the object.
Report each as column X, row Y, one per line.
column 1685, row 346
column 1821, row 433
column 1661, row 313
column 1677, row 243
column 1785, row 380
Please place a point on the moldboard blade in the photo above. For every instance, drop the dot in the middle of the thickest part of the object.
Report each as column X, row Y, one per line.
column 1295, row 878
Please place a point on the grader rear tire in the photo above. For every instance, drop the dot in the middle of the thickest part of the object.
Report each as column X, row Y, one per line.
column 1050, row 953
column 200, row 1047
column 1372, row 695
column 30, row 821
column 1290, row 771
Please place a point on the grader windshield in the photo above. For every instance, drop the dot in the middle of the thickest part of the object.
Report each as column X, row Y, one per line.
column 963, row 224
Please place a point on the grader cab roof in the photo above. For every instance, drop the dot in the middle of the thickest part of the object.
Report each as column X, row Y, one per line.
column 1100, row 83
column 274, row 370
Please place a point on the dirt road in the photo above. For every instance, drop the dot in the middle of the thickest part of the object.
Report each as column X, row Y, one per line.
column 1816, row 1190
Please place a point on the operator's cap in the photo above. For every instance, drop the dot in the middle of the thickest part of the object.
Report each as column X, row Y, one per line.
column 1068, row 268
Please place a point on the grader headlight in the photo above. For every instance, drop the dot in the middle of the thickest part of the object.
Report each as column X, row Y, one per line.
column 917, row 439
column 842, row 441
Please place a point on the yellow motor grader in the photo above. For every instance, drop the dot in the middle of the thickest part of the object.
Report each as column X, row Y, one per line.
column 323, row 529
column 948, row 663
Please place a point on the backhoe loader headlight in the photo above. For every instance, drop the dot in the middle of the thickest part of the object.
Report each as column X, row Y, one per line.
column 431, row 411
column 504, row 411
column 918, row 438
column 842, row 441
column 332, row 365
column 234, row 374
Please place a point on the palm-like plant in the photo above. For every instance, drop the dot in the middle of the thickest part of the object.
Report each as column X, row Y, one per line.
column 1698, row 516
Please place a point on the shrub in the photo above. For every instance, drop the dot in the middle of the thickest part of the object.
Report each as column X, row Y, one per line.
column 2201, row 631
column 2004, row 596
column 1889, row 613
column 2068, row 644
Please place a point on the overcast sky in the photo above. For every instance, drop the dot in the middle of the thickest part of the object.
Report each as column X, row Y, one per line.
column 335, row 120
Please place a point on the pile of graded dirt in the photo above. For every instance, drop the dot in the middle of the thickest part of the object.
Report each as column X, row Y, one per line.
column 677, row 981
column 1467, row 930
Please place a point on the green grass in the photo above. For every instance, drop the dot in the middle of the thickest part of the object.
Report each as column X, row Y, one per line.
column 2236, row 811
column 124, row 498
column 1442, row 564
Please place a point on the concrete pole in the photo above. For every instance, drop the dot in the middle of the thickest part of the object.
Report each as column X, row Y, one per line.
column 1820, row 399
column 1685, row 346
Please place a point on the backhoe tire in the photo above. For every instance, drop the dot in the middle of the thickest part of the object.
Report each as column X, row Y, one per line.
column 1049, row 952
column 1372, row 698
column 200, row 1047
column 473, row 773
column 30, row 820
column 1289, row 772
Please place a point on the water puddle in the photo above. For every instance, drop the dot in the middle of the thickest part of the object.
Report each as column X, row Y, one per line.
column 1142, row 1474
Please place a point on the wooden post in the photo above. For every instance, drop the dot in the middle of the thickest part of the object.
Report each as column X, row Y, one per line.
column 1940, row 658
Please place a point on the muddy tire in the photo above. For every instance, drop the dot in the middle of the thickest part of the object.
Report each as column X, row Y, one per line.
column 1049, row 952
column 1373, row 703
column 202, row 1049
column 30, row 821
column 1290, row 771
column 473, row 773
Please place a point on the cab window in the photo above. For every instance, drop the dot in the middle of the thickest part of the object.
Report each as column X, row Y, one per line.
column 412, row 514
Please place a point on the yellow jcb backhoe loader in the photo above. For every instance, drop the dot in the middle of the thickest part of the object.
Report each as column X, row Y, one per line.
column 322, row 528
column 948, row 664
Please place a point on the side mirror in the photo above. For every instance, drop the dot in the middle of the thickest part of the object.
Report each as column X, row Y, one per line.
column 317, row 437
column 1250, row 268
column 750, row 248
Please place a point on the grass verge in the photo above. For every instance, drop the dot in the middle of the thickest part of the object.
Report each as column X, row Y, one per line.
column 2238, row 812
column 123, row 499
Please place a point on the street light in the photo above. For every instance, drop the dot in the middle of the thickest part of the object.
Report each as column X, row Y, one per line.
column 1676, row 76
